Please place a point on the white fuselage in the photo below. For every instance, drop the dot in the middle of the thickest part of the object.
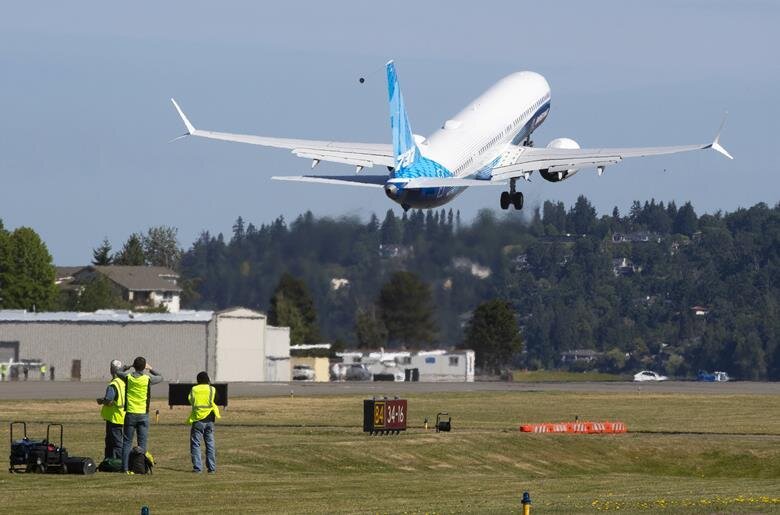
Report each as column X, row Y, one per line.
column 485, row 128
column 485, row 133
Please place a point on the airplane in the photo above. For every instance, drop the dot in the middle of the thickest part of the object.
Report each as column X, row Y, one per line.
column 488, row 143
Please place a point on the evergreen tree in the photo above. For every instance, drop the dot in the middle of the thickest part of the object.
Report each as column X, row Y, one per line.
column 371, row 333
column 373, row 224
column 554, row 216
column 238, row 230
column 405, row 307
column 493, row 335
column 287, row 314
column 26, row 272
column 161, row 247
column 97, row 294
column 391, row 228
column 582, row 217
column 132, row 253
column 685, row 221
column 101, row 256
column 294, row 292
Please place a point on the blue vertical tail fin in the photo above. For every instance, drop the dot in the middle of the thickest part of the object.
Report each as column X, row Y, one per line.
column 405, row 151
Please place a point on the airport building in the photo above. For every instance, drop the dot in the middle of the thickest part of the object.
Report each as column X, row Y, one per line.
column 232, row 345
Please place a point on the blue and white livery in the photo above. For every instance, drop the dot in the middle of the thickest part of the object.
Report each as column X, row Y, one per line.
column 488, row 143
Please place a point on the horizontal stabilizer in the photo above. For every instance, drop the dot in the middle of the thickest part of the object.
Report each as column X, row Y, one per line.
column 370, row 181
column 447, row 182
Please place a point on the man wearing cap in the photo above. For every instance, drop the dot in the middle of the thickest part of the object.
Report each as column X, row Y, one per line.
column 137, row 398
column 204, row 413
column 113, row 412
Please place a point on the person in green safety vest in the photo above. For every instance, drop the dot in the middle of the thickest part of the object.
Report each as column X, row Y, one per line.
column 137, row 398
column 204, row 413
column 42, row 370
column 113, row 412
column 3, row 371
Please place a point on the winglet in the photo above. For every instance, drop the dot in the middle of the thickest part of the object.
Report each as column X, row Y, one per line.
column 190, row 128
column 715, row 145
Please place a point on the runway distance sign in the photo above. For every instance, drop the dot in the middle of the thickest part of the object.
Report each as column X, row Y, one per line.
column 384, row 416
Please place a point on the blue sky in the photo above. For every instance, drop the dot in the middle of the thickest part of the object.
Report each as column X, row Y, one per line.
column 85, row 117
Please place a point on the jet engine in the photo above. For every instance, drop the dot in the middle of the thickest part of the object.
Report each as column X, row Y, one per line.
column 555, row 175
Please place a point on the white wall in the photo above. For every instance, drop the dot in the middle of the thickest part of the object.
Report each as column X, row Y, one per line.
column 452, row 366
column 277, row 353
column 240, row 345
column 157, row 298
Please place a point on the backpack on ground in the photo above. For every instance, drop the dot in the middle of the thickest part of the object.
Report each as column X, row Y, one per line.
column 140, row 462
column 110, row 465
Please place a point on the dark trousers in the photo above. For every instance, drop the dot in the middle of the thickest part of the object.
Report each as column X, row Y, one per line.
column 114, row 439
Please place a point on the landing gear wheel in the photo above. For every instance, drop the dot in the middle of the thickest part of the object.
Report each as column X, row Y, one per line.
column 517, row 200
column 505, row 201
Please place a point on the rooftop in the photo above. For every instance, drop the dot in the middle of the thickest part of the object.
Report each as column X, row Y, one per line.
column 141, row 278
column 104, row 316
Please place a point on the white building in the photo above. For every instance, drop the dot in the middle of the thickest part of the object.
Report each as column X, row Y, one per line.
column 443, row 365
column 231, row 345
column 141, row 286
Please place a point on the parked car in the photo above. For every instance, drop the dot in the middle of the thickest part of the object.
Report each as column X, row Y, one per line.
column 357, row 372
column 303, row 373
column 649, row 375
column 715, row 377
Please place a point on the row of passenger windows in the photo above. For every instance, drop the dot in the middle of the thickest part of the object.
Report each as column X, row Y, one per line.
column 514, row 124
column 464, row 165
column 509, row 127
column 528, row 111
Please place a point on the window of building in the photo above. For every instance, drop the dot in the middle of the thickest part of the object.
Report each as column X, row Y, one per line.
column 453, row 361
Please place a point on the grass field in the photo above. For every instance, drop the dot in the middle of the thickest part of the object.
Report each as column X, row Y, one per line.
column 683, row 454
column 558, row 376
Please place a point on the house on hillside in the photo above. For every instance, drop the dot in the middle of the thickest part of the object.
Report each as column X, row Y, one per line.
column 625, row 267
column 142, row 286
column 587, row 355
column 395, row 251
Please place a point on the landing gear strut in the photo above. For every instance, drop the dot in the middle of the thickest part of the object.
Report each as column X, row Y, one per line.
column 512, row 197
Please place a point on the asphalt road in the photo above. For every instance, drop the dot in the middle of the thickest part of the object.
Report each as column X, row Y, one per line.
column 90, row 390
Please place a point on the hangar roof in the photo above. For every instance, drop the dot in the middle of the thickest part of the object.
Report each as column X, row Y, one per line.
column 104, row 316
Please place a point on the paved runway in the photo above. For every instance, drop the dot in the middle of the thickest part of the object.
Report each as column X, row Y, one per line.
column 90, row 390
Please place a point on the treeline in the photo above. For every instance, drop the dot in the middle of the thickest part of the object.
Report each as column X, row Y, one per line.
column 658, row 287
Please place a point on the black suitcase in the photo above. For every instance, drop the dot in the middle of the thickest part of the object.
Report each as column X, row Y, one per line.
column 78, row 465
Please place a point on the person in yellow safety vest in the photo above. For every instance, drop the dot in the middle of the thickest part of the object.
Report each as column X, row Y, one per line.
column 137, row 398
column 42, row 369
column 113, row 412
column 204, row 413
column 3, row 371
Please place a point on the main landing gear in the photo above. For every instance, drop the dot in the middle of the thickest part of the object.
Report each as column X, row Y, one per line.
column 512, row 197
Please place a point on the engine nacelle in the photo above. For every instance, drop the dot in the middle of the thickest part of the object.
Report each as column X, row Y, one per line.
column 559, row 175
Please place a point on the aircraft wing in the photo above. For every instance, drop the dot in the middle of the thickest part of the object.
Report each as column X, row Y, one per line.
column 529, row 159
column 370, row 181
column 446, row 182
column 356, row 154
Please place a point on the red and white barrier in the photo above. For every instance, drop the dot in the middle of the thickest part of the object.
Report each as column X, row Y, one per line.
column 576, row 427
